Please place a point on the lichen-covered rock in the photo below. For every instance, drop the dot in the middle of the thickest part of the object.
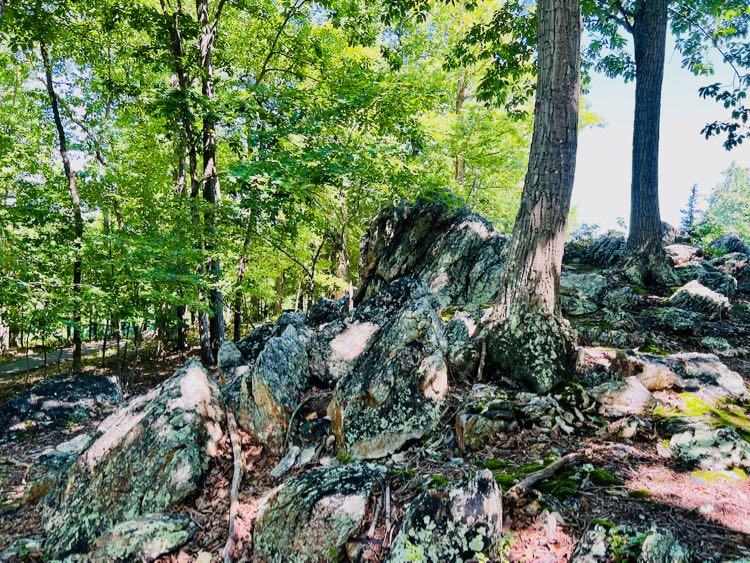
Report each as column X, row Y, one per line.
column 477, row 424
column 464, row 349
column 252, row 345
column 147, row 457
column 698, row 298
column 729, row 243
column 51, row 466
column 581, row 294
column 230, row 358
column 335, row 347
column 455, row 523
column 716, row 345
column 394, row 390
column 327, row 310
column 733, row 264
column 661, row 546
column 710, row 277
column 271, row 391
column 606, row 250
column 312, row 516
column 458, row 255
column 59, row 401
column 682, row 254
column 143, row 539
column 621, row 298
column 625, row 397
column 702, row 375
column 674, row 319
column 712, row 449
column 600, row 544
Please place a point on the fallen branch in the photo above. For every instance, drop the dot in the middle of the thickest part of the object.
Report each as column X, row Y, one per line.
column 234, row 502
column 513, row 494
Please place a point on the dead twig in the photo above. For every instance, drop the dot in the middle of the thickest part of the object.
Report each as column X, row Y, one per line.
column 522, row 487
column 234, row 437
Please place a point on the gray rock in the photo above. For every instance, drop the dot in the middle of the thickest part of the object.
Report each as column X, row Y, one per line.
column 455, row 523
column 272, row 390
column 251, row 346
column 59, row 401
column 712, row 449
column 661, row 546
column 286, row 463
column 737, row 266
column 674, row 319
column 147, row 457
column 581, row 294
column 394, row 390
column 457, row 254
column 728, row 243
column 626, row 397
column 312, row 516
column 230, row 358
column 463, row 347
column 682, row 254
column 23, row 549
column 143, row 539
column 328, row 310
column 51, row 466
column 697, row 298
column 621, row 298
column 606, row 251
column 716, row 345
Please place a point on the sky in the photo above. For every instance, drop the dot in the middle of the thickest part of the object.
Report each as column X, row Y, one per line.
column 602, row 186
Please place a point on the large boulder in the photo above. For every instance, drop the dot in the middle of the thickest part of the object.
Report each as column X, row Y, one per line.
column 59, row 401
column 581, row 294
column 252, row 345
column 703, row 375
column 698, row 298
column 676, row 320
column 712, row 449
column 147, row 457
column 606, row 251
column 458, row 255
column 143, row 539
column 312, row 516
column 266, row 395
column 728, row 243
column 394, row 390
column 51, row 466
column 461, row 522
column 737, row 266
column 682, row 254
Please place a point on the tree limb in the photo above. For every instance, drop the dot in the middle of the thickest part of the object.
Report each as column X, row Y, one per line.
column 521, row 488
column 235, row 489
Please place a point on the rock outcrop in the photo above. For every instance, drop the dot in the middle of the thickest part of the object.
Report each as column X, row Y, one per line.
column 394, row 390
column 581, row 294
column 458, row 255
column 145, row 458
column 729, row 243
column 312, row 516
column 265, row 396
column 461, row 522
column 697, row 298
column 606, row 251
column 60, row 400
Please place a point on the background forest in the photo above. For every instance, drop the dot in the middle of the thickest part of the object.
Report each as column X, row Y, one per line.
column 228, row 156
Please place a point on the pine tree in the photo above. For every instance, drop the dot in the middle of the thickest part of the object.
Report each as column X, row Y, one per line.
column 689, row 213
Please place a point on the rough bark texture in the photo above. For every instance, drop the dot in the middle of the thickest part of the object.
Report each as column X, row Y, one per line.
column 645, row 261
column 211, row 192
column 75, row 201
column 528, row 338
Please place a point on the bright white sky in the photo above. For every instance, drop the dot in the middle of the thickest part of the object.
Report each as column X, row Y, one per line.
column 602, row 187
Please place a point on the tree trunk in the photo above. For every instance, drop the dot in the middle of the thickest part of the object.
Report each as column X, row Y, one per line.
column 211, row 192
column 4, row 337
column 645, row 262
column 75, row 201
column 278, row 305
column 182, row 329
column 527, row 336
column 459, row 162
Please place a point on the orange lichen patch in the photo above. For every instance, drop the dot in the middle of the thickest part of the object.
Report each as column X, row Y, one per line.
column 543, row 541
column 352, row 342
column 724, row 501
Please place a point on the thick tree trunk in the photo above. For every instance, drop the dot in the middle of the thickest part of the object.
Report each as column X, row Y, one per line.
column 278, row 305
column 211, row 192
column 459, row 162
column 182, row 329
column 528, row 339
column 4, row 337
column 645, row 261
column 75, row 201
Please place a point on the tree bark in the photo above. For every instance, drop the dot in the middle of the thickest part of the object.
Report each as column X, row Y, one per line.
column 211, row 193
column 75, row 201
column 459, row 162
column 528, row 338
column 278, row 305
column 645, row 261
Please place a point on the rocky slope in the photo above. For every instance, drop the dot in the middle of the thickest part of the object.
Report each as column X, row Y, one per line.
column 379, row 434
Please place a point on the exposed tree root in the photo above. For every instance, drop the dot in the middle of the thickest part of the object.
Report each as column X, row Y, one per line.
column 521, row 488
column 234, row 502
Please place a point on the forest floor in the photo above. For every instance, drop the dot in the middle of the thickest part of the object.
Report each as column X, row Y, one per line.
column 708, row 513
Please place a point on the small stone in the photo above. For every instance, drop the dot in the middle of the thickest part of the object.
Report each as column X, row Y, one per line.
column 286, row 463
column 307, row 456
